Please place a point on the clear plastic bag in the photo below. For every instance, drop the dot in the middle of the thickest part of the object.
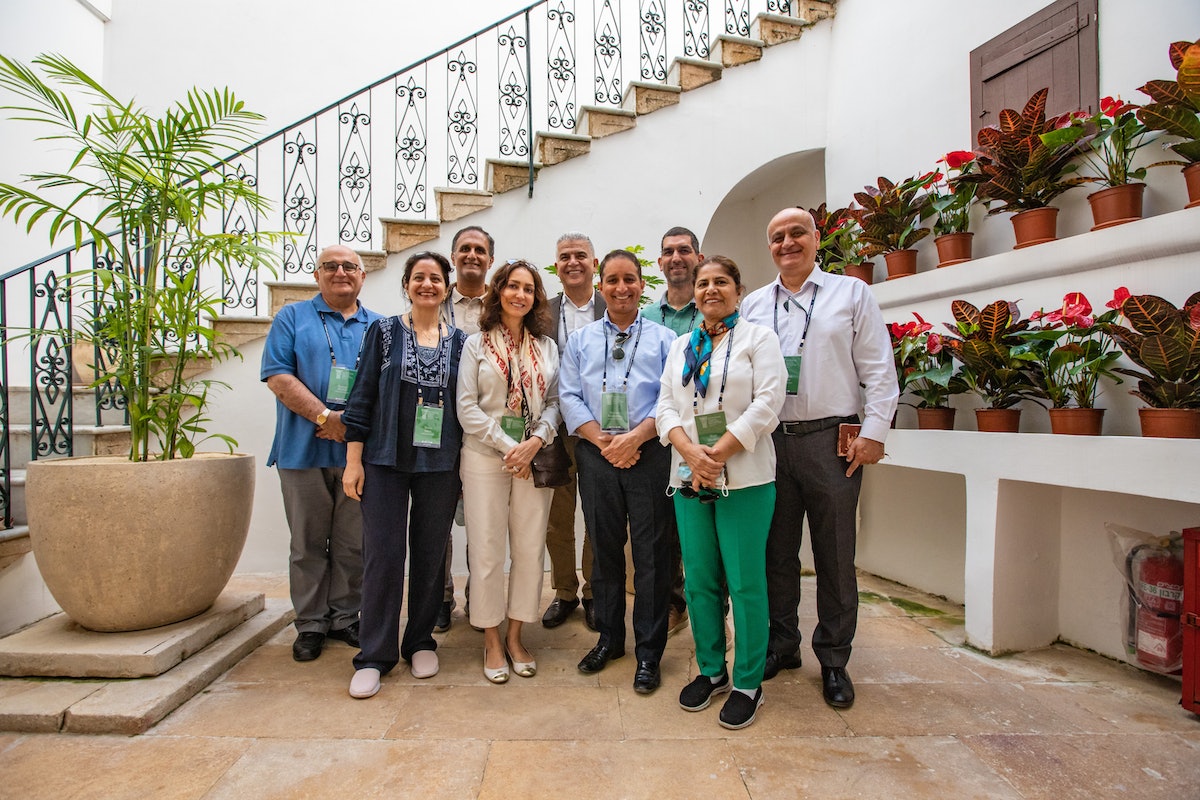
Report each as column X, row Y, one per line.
column 1152, row 567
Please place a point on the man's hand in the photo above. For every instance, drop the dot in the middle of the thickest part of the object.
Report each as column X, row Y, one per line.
column 623, row 450
column 334, row 429
column 863, row 451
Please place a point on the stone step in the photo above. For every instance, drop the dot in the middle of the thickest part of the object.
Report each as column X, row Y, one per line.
column 14, row 542
column 16, row 504
column 90, row 440
column 775, row 29
column 236, row 331
column 401, row 234
column 555, row 148
column 455, row 204
column 282, row 293
column 373, row 260
column 733, row 51
column 692, row 73
column 504, row 176
column 83, row 401
column 646, row 98
column 599, row 122
column 813, row 11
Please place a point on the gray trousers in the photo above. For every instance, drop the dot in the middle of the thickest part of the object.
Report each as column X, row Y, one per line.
column 811, row 482
column 326, row 554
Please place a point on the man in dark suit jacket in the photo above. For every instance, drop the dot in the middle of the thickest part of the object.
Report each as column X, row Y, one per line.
column 577, row 305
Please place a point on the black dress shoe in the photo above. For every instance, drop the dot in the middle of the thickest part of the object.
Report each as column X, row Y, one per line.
column 558, row 611
column 589, row 614
column 308, row 646
column 442, row 624
column 647, row 678
column 598, row 657
column 348, row 634
column 776, row 662
column 836, row 686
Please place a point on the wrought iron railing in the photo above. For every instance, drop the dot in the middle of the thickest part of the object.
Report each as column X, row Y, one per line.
column 333, row 174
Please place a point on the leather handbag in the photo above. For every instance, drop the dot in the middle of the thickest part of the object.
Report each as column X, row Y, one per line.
column 550, row 465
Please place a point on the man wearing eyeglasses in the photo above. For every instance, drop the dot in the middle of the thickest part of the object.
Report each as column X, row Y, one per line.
column 578, row 304
column 310, row 361
column 677, row 310
column 608, row 389
column 839, row 362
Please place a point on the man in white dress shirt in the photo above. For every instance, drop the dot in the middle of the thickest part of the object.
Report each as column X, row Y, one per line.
column 839, row 359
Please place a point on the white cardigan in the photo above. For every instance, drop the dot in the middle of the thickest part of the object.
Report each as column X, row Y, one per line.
column 483, row 398
column 754, row 395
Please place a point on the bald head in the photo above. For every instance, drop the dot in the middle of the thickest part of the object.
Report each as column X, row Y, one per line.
column 792, row 239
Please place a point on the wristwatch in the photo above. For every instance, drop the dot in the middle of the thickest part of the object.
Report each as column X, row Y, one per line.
column 324, row 415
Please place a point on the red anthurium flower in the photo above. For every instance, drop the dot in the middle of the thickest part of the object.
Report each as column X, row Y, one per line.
column 933, row 343
column 1119, row 298
column 917, row 330
column 958, row 159
column 1114, row 107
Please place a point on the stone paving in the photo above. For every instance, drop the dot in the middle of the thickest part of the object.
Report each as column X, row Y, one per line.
column 932, row 719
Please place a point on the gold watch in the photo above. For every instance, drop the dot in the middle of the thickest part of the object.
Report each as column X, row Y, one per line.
column 323, row 416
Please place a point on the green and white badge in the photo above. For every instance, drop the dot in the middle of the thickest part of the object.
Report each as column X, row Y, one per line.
column 513, row 427
column 710, row 428
column 341, row 381
column 427, row 432
column 793, row 372
column 614, row 412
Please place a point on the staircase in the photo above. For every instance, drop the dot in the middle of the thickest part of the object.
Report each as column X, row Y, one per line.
column 51, row 424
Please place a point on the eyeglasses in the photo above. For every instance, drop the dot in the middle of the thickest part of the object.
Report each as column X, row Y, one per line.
column 705, row 495
column 618, row 350
column 331, row 267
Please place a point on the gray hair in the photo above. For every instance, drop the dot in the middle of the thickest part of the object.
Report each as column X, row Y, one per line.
column 575, row 236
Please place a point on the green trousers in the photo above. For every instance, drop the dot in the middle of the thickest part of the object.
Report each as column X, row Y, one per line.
column 728, row 537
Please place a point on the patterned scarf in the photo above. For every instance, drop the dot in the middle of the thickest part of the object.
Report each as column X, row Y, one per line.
column 698, row 354
column 530, row 383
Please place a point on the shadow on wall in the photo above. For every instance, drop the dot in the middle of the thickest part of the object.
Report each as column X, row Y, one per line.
column 738, row 227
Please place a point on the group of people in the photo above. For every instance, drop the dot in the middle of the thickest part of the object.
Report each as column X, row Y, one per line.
column 702, row 429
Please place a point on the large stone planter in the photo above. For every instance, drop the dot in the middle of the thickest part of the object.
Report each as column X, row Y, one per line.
column 126, row 546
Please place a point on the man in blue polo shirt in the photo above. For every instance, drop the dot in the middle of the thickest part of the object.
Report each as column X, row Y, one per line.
column 309, row 362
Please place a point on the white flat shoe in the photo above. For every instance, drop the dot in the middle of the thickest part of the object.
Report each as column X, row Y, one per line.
column 526, row 669
column 495, row 675
column 365, row 683
column 424, row 664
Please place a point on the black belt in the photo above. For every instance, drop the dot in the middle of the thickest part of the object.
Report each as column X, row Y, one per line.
column 813, row 425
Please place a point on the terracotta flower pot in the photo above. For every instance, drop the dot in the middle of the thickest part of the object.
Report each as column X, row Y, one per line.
column 864, row 272
column 901, row 263
column 935, row 419
column 953, row 248
column 1116, row 205
column 1170, row 423
column 1191, row 174
column 1077, row 421
column 1035, row 226
column 998, row 420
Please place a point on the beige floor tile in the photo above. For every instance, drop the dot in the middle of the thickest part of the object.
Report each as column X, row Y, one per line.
column 508, row 711
column 1064, row 663
column 274, row 662
column 867, row 767
column 284, row 770
column 62, row 767
column 909, row 665
column 583, row 770
column 285, row 710
column 1097, row 708
column 946, row 709
column 893, row 632
column 1086, row 767
column 39, row 705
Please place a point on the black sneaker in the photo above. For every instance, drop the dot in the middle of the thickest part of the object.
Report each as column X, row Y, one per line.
column 697, row 694
column 739, row 710
column 443, row 618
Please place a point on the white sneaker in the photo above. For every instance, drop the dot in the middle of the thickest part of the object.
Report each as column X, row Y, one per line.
column 365, row 683
column 423, row 664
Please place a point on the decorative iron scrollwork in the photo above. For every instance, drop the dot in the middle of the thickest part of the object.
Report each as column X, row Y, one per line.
column 560, row 67
column 696, row 42
column 607, row 43
column 300, row 199
column 513, row 92
column 412, row 156
column 462, row 121
column 354, row 171
column 652, row 55
column 737, row 17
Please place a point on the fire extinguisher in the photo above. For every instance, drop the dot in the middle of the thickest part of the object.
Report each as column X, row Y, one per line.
column 1155, row 574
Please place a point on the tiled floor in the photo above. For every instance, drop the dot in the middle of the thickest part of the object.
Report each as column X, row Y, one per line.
column 932, row 720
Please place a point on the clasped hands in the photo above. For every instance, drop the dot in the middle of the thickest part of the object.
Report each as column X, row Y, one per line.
column 622, row 450
column 707, row 464
column 518, row 461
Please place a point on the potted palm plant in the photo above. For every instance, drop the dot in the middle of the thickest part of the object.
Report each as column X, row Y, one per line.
column 926, row 369
column 889, row 218
column 839, row 249
column 1074, row 352
column 998, row 364
column 157, row 532
column 1164, row 341
column 1020, row 172
column 951, row 204
column 1175, row 110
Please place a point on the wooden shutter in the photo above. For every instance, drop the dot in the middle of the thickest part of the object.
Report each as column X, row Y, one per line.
column 1056, row 48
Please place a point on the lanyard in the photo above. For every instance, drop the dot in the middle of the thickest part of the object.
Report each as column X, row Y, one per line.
column 807, row 315
column 724, row 376
column 632, row 356
column 329, row 341
column 662, row 310
column 443, row 341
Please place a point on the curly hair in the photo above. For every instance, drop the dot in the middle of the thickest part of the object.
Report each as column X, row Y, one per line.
column 537, row 321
